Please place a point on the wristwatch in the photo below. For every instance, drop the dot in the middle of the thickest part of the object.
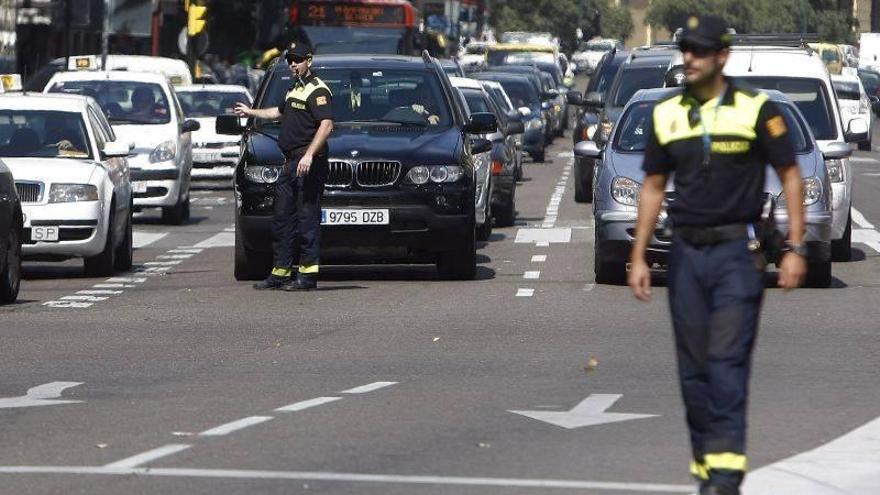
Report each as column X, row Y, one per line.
column 798, row 249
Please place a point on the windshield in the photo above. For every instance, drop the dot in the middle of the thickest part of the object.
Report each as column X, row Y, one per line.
column 404, row 97
column 43, row 134
column 632, row 80
column 124, row 102
column 341, row 39
column 209, row 103
column 810, row 97
column 847, row 90
column 632, row 136
column 830, row 56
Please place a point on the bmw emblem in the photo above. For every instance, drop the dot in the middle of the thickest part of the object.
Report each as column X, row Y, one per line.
column 354, row 153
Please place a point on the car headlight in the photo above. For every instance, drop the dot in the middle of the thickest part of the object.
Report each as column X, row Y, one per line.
column 163, row 152
column 835, row 171
column 625, row 191
column 812, row 192
column 262, row 175
column 71, row 193
column 438, row 174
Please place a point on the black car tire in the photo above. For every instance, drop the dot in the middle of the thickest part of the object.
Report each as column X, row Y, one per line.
column 461, row 263
column 538, row 156
column 103, row 264
column 841, row 249
column 506, row 215
column 10, row 279
column 583, row 186
column 249, row 265
column 177, row 214
column 818, row 275
column 125, row 251
column 865, row 145
column 608, row 272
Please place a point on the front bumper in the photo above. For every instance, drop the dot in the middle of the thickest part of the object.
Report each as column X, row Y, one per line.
column 154, row 184
column 82, row 230
column 615, row 231
column 215, row 162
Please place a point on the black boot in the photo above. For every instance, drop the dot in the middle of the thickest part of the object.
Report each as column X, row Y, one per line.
column 272, row 282
column 302, row 282
column 713, row 489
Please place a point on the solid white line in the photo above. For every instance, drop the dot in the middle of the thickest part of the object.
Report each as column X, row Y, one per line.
column 539, row 258
column 162, row 263
column 532, row 275
column 67, row 304
column 113, row 286
column 353, row 478
column 99, row 292
column 860, row 219
column 368, row 388
column 299, row 406
column 143, row 239
column 83, row 298
column 186, row 250
column 525, row 292
column 174, row 256
column 148, row 456
column 126, row 280
column 230, row 427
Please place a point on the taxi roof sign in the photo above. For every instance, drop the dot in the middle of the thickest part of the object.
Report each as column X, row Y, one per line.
column 82, row 62
column 11, row 82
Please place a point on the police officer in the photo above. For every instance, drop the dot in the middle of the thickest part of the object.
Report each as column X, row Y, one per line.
column 306, row 122
column 716, row 136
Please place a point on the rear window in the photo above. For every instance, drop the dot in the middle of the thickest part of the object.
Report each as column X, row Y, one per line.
column 210, row 103
column 811, row 98
column 847, row 90
column 632, row 80
column 124, row 102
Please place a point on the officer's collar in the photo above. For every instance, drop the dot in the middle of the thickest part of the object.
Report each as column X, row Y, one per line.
column 310, row 75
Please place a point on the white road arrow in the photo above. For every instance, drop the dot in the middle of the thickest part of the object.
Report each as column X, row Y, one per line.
column 41, row 395
column 590, row 412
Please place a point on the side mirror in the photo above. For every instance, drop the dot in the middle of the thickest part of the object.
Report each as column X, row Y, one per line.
column 515, row 127
column 480, row 145
column 587, row 149
column 836, row 151
column 479, row 123
column 574, row 98
column 524, row 111
column 856, row 131
column 229, row 125
column 190, row 126
column 114, row 149
column 593, row 100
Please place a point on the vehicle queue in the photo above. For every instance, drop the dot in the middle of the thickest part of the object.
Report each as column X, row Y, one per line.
column 427, row 191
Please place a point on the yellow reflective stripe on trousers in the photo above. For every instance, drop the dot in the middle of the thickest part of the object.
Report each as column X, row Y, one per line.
column 725, row 460
column 281, row 272
column 308, row 269
column 699, row 470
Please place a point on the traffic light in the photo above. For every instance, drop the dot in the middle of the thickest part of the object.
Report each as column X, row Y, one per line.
column 196, row 18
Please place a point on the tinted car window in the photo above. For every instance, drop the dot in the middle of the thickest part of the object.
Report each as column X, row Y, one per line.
column 633, row 134
column 372, row 95
column 847, row 90
column 810, row 97
column 475, row 101
column 209, row 103
column 43, row 134
column 498, row 96
column 521, row 94
column 871, row 81
column 606, row 75
column 124, row 102
column 632, row 80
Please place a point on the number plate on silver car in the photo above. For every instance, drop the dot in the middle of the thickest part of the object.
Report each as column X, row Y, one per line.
column 45, row 234
column 331, row 216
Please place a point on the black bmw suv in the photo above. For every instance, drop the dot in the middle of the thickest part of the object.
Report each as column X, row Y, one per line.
column 401, row 182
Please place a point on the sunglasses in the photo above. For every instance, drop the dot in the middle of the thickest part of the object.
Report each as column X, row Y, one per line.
column 294, row 59
column 697, row 51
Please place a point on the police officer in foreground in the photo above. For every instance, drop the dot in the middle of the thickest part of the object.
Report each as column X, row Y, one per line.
column 717, row 137
column 306, row 122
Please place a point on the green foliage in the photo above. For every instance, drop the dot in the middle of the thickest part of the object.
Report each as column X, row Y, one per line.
column 762, row 16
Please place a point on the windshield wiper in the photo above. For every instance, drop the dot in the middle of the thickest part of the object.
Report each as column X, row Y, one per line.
column 387, row 122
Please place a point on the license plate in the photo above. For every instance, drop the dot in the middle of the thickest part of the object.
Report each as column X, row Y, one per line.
column 354, row 217
column 207, row 157
column 138, row 187
column 45, row 234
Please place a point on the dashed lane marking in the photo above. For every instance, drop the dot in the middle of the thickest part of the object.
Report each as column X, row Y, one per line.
column 554, row 235
column 140, row 239
column 525, row 292
column 860, row 219
column 368, row 387
column 98, row 292
column 148, row 456
column 532, row 275
column 234, row 426
column 539, row 258
column 306, row 404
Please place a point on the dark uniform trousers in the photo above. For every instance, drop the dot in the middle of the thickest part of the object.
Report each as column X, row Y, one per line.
column 296, row 224
column 715, row 296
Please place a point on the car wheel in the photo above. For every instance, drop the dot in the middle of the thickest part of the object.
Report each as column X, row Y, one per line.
column 461, row 263
column 10, row 279
column 865, row 145
column 249, row 265
column 484, row 231
column 818, row 275
column 176, row 215
column 841, row 249
column 538, row 156
column 506, row 215
column 103, row 263
column 583, row 183
column 125, row 251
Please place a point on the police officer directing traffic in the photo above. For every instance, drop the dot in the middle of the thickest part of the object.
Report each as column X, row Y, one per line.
column 716, row 136
column 306, row 123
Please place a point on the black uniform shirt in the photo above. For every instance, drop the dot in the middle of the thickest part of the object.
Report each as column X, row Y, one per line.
column 746, row 131
column 305, row 106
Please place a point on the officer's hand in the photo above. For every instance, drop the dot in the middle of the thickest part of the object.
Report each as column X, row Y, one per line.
column 305, row 164
column 241, row 110
column 639, row 280
column 792, row 271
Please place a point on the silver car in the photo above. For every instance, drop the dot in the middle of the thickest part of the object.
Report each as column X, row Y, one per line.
column 619, row 176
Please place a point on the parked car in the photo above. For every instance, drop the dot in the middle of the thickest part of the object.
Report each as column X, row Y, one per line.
column 72, row 179
column 11, row 224
column 853, row 102
column 401, row 184
column 620, row 175
column 213, row 155
column 527, row 101
column 144, row 109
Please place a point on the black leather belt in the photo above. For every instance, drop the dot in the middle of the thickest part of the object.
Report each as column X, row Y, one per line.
column 717, row 234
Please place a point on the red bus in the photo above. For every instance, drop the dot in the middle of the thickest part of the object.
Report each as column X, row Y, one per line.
column 355, row 26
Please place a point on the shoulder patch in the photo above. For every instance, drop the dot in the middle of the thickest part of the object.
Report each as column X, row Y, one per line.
column 776, row 127
column 321, row 100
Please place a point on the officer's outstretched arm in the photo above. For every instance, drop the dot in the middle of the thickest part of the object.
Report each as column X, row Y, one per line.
column 650, row 202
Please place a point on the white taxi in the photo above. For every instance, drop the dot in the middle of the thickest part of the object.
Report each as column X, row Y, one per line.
column 214, row 155
column 72, row 178
column 144, row 110
column 853, row 102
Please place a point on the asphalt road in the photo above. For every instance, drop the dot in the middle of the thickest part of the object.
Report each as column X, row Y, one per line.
column 178, row 356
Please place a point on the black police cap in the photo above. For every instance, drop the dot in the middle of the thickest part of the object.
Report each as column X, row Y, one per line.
column 299, row 50
column 705, row 31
